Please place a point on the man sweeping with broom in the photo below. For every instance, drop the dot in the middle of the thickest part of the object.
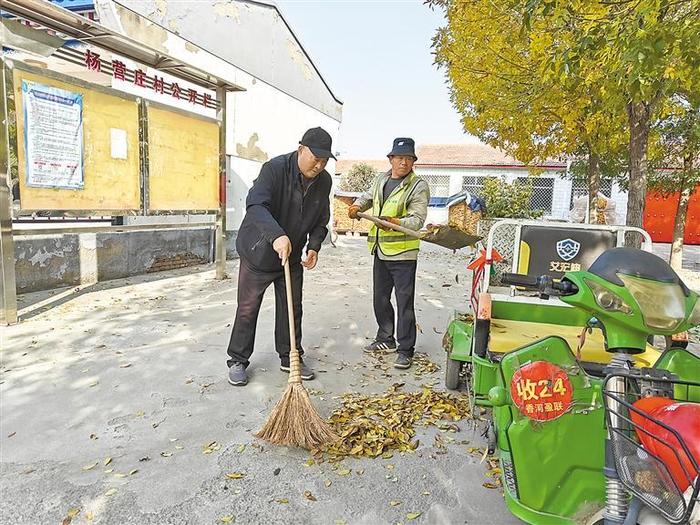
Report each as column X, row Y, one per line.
column 287, row 207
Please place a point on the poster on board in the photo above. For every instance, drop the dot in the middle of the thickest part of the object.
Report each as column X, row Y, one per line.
column 53, row 136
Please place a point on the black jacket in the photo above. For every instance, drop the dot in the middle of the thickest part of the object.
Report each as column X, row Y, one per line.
column 276, row 205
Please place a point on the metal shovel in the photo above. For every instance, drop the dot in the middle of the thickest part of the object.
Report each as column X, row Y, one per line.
column 442, row 235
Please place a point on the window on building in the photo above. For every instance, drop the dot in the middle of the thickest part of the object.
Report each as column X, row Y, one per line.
column 542, row 192
column 439, row 188
column 579, row 188
column 473, row 184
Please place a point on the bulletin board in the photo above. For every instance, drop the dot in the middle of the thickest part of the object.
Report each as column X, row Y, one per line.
column 110, row 179
column 183, row 161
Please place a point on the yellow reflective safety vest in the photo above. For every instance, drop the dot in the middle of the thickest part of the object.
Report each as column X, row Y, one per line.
column 392, row 242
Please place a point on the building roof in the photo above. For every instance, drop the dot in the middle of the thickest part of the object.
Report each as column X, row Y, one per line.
column 471, row 155
column 252, row 35
column 453, row 156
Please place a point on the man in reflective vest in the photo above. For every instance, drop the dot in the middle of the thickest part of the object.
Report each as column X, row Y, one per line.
column 401, row 197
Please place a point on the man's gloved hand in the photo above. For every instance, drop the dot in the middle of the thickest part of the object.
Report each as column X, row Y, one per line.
column 393, row 220
column 352, row 211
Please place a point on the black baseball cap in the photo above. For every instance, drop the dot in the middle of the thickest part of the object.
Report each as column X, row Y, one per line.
column 319, row 142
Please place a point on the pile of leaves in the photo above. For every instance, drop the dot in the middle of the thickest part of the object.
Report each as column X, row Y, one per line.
column 373, row 425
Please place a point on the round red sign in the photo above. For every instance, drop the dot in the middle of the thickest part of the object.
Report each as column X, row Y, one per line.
column 541, row 390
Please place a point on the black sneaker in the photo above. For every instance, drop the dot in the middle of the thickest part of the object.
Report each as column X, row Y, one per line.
column 403, row 362
column 237, row 375
column 380, row 346
column 306, row 373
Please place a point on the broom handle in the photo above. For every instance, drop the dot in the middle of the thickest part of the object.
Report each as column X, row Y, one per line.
column 294, row 365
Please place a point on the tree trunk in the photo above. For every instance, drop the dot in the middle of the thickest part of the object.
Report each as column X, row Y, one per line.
column 593, row 174
column 676, row 258
column 638, row 115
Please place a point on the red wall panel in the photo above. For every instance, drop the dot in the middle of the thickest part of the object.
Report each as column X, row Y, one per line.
column 660, row 214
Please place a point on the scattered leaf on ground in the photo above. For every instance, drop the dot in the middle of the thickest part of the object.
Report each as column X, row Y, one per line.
column 328, row 483
column 360, row 471
column 125, row 365
column 309, row 496
column 90, row 466
column 89, row 516
column 309, row 462
column 12, row 434
column 227, row 519
column 235, row 475
column 109, row 471
column 240, row 449
column 211, row 447
column 120, row 475
column 425, row 493
column 166, row 454
column 394, row 503
column 344, row 472
column 132, row 472
column 284, row 501
column 72, row 513
column 107, row 461
column 412, row 515
column 491, row 485
column 111, row 492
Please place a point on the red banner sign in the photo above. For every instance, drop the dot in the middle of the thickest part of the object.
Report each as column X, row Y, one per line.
column 139, row 78
column 541, row 390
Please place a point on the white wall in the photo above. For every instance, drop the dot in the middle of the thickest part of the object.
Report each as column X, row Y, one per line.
column 273, row 123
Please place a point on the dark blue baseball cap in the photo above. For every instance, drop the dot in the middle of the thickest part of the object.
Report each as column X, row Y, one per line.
column 319, row 142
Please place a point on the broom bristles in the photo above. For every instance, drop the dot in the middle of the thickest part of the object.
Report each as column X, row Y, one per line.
column 295, row 422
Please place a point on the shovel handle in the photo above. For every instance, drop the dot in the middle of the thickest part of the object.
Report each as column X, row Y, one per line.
column 294, row 364
column 390, row 225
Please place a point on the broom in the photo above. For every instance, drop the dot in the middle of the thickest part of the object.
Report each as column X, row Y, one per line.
column 294, row 420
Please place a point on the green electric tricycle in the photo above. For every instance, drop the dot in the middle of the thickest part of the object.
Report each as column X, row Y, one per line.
column 608, row 431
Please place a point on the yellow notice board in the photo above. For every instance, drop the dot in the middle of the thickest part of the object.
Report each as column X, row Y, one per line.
column 183, row 161
column 111, row 165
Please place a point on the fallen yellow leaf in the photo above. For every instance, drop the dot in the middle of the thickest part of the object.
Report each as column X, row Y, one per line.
column 395, row 503
column 309, row 496
column 90, row 466
column 111, row 492
column 235, row 475
column 282, row 500
column 412, row 515
column 227, row 519
column 89, row 516
column 132, row 472
column 344, row 472
column 328, row 483
column 107, row 461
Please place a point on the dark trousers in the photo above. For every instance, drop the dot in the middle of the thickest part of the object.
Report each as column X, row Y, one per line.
column 399, row 276
column 252, row 284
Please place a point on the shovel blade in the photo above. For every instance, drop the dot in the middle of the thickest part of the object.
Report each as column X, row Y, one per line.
column 450, row 238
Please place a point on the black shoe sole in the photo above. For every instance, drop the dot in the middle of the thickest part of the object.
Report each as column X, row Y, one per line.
column 402, row 367
column 304, row 377
column 238, row 383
